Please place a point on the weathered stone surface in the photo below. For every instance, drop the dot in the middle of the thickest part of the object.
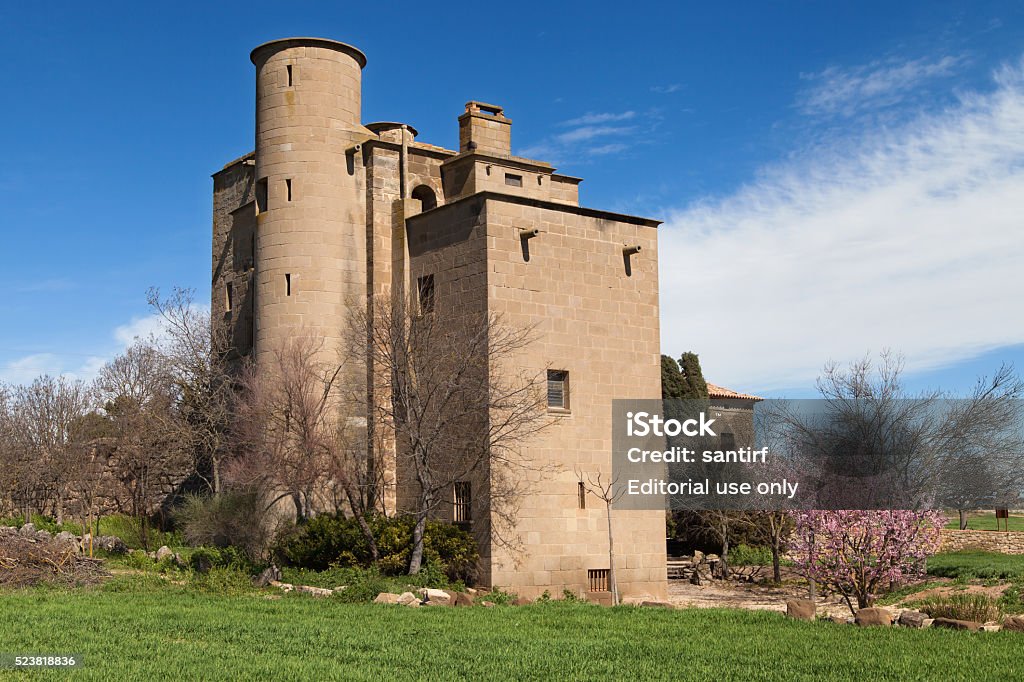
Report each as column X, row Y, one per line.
column 267, row 576
column 287, row 587
column 463, row 599
column 954, row 624
column 873, row 615
column 990, row 627
column 801, row 609
column 521, row 601
column 28, row 530
column 407, row 598
column 386, row 598
column 437, row 597
column 488, row 604
column 314, row 591
column 66, row 537
column 913, row 619
column 1014, row 623
column 164, row 553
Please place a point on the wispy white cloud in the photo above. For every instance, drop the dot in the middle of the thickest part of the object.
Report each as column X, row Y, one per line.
column 666, row 89
column 588, row 135
column 604, row 117
column 845, row 91
column 76, row 365
column 905, row 237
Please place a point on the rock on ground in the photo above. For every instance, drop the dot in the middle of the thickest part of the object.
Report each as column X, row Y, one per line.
column 873, row 615
column 801, row 609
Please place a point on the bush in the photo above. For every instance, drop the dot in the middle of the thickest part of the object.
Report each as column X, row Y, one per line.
column 204, row 559
column 334, row 541
column 979, row 608
column 230, row 519
column 745, row 555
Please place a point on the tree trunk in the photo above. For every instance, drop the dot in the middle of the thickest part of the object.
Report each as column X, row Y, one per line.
column 776, row 562
column 963, row 518
column 416, row 557
column 364, row 527
column 613, row 583
column 215, row 462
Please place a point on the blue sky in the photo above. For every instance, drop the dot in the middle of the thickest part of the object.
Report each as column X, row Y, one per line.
column 836, row 178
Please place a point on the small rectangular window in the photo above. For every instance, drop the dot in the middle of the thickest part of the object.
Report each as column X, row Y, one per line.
column 600, row 579
column 513, row 180
column 463, row 502
column 229, row 296
column 288, row 284
column 583, row 495
column 261, row 196
column 289, row 68
column 558, row 389
column 288, row 188
column 426, row 293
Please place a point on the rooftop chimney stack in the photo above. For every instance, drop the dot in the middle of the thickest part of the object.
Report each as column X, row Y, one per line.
column 484, row 128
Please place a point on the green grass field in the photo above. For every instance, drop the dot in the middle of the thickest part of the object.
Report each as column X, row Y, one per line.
column 976, row 564
column 177, row 633
column 985, row 521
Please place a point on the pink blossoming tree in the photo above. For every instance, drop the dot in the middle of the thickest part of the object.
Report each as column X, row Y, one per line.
column 856, row 552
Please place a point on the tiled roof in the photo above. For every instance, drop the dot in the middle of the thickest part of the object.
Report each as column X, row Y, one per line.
column 715, row 391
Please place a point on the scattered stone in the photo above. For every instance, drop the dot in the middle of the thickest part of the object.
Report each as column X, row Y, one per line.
column 841, row 620
column 314, row 591
column 28, row 530
column 470, row 590
column 164, row 553
column 927, row 622
column 990, row 627
column 801, row 609
column 463, row 599
column 44, row 535
column 386, row 598
column 873, row 615
column 488, row 604
column 698, row 556
column 521, row 601
column 436, row 597
column 1014, row 623
column 954, row 624
column 66, row 537
column 267, row 576
column 340, row 588
column 287, row 587
column 913, row 619
column 407, row 598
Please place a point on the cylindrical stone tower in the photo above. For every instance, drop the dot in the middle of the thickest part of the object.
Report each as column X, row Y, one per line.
column 310, row 256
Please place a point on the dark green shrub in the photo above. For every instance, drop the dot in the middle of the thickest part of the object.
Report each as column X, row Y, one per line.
column 204, row 559
column 745, row 555
column 329, row 540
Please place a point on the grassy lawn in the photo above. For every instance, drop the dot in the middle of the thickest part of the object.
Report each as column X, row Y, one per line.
column 976, row 564
column 985, row 521
column 178, row 633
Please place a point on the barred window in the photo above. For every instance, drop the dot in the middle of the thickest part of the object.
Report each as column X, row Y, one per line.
column 558, row 389
column 463, row 502
column 600, row 579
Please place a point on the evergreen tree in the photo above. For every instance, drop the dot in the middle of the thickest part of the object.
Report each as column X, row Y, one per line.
column 695, row 386
column 673, row 385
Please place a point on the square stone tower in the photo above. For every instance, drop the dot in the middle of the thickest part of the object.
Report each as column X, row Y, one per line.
column 328, row 210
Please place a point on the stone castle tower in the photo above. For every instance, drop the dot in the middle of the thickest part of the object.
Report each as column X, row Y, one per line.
column 328, row 211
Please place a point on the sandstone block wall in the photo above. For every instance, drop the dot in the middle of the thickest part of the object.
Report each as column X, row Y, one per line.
column 985, row 540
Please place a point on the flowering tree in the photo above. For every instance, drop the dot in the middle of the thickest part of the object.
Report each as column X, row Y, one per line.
column 855, row 552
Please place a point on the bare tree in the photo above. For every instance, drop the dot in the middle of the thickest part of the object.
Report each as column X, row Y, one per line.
column 298, row 435
column 447, row 392
column 609, row 492
column 138, row 391
column 45, row 414
column 199, row 356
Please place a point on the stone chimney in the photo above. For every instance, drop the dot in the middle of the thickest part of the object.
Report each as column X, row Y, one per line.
column 484, row 128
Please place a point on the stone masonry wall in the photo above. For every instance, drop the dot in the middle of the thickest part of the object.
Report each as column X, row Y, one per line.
column 985, row 540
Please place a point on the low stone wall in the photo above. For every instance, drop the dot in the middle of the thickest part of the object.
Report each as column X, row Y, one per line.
column 985, row 540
